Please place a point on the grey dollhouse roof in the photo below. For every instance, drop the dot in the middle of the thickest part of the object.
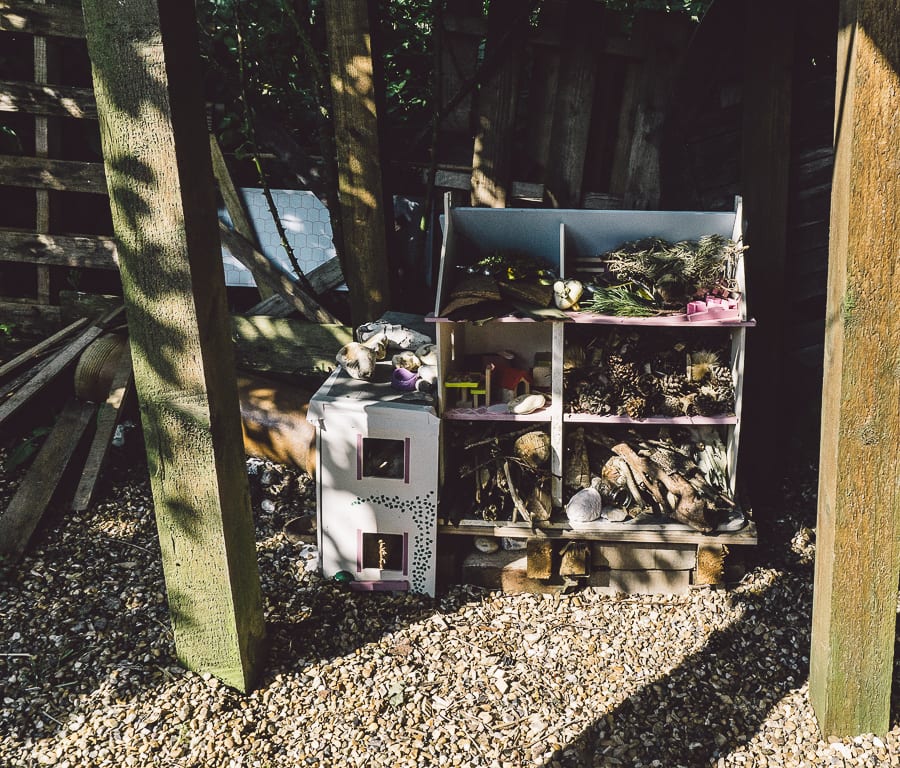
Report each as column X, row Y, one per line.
column 342, row 391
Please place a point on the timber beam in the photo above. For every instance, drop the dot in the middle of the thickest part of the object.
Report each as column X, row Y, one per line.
column 858, row 530
column 147, row 79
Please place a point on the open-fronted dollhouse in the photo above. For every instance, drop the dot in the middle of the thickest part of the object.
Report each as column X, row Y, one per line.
column 377, row 482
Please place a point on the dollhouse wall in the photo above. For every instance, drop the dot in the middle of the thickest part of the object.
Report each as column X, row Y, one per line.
column 377, row 484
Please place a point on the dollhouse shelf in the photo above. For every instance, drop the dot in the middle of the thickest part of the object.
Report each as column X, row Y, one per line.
column 545, row 415
column 688, row 421
column 555, row 342
column 486, row 414
column 662, row 532
column 679, row 320
column 591, row 318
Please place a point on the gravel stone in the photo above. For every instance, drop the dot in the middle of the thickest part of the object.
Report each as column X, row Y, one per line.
column 89, row 676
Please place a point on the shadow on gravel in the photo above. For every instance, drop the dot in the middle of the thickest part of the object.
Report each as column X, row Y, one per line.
column 332, row 622
column 717, row 699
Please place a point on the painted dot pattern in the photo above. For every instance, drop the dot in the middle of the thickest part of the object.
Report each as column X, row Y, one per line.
column 423, row 510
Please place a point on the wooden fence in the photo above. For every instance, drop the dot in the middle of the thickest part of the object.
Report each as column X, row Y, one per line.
column 601, row 114
column 55, row 226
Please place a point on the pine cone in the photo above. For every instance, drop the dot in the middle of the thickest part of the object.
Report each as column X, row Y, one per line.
column 721, row 375
column 671, row 384
column 591, row 396
column 647, row 386
column 635, row 407
column 623, row 374
column 724, row 395
column 672, row 405
column 706, row 403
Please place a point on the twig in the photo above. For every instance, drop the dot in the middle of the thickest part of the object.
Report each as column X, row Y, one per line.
column 50, row 717
column 11, row 655
column 128, row 544
column 510, row 724
column 472, row 739
column 497, row 438
column 518, row 504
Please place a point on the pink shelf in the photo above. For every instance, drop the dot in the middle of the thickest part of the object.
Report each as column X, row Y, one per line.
column 590, row 418
column 483, row 414
column 590, row 318
column 680, row 319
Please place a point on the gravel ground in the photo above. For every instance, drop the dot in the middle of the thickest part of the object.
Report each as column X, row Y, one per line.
column 88, row 675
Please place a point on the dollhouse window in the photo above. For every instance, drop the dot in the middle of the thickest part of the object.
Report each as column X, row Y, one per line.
column 383, row 458
column 383, row 551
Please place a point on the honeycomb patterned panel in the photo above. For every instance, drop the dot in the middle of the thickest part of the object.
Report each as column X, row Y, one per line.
column 307, row 224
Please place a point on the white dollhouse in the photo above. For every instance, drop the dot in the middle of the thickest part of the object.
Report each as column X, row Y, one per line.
column 378, row 480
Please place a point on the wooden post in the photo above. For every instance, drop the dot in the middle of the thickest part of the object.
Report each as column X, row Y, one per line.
column 765, row 160
column 858, row 530
column 146, row 70
column 570, row 133
column 497, row 102
column 359, row 170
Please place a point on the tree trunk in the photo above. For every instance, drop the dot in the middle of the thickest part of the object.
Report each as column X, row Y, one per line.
column 766, row 156
column 146, row 70
column 360, row 185
column 571, row 125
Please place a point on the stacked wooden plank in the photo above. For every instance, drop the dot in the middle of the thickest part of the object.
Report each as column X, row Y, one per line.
column 95, row 356
column 82, row 433
column 46, row 254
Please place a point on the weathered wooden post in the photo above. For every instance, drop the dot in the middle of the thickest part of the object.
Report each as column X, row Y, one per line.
column 497, row 100
column 858, row 530
column 571, row 124
column 146, row 70
column 769, row 27
column 358, row 153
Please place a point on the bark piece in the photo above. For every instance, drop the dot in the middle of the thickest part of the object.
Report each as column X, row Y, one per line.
column 540, row 559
